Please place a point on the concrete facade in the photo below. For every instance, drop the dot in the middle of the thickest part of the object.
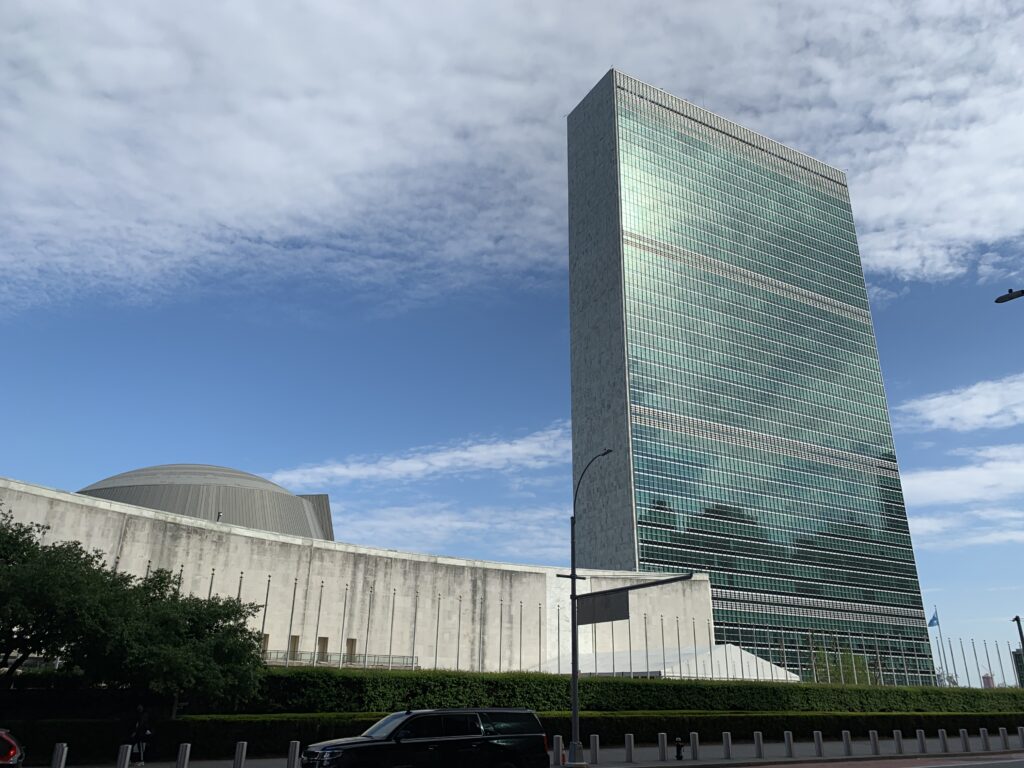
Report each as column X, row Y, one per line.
column 384, row 607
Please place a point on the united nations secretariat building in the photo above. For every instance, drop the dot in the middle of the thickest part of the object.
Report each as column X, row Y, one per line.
column 327, row 603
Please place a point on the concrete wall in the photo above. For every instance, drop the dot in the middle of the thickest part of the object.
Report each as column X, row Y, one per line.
column 465, row 614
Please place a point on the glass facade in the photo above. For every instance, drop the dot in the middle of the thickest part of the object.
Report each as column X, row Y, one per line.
column 760, row 446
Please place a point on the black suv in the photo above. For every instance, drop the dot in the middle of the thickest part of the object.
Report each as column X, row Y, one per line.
column 439, row 738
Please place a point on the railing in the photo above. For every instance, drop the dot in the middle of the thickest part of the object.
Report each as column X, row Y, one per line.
column 313, row 658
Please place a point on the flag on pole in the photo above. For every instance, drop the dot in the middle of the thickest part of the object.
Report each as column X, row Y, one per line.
column 934, row 621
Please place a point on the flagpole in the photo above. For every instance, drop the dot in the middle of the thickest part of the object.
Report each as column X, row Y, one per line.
column 942, row 651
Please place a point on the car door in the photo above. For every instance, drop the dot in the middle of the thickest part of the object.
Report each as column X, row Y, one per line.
column 418, row 743
column 463, row 741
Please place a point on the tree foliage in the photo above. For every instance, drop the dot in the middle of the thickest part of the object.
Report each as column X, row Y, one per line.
column 58, row 601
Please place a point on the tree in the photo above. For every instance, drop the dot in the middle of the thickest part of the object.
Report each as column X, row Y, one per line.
column 59, row 601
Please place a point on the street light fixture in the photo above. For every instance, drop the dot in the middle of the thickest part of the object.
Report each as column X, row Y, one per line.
column 1009, row 296
column 574, row 689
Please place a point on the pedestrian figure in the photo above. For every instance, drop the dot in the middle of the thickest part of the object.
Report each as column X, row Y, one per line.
column 140, row 734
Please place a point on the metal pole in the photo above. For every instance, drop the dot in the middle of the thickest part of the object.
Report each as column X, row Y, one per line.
column 209, row 592
column 952, row 658
column 520, row 635
column 149, row 564
column 558, row 635
column 693, row 627
column 540, row 637
column 501, row 628
column 344, row 617
column 966, row 670
column 291, row 621
column 574, row 687
column 1013, row 664
column 942, row 650
column 612, row 626
column 711, row 653
column 480, row 638
column 629, row 640
column 391, row 631
column 664, row 663
column 316, row 631
column 366, row 643
column 458, row 636
column 988, row 661
column 647, row 652
column 839, row 660
column 977, row 665
column 241, row 575
column 999, row 656
column 266, row 601
column 593, row 644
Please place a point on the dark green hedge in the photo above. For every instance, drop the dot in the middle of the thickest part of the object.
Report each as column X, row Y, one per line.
column 325, row 690
column 214, row 736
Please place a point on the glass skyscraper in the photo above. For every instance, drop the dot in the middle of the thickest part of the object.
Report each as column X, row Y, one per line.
column 722, row 347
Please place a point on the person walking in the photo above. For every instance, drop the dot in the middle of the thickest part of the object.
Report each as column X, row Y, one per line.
column 140, row 734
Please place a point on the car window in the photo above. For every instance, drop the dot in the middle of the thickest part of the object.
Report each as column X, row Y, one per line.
column 514, row 722
column 423, row 727
column 383, row 727
column 461, row 725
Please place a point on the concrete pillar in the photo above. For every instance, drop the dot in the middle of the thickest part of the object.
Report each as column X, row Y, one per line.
column 727, row 745
column 758, row 744
column 922, row 742
column 629, row 747
column 943, row 741
column 986, row 745
column 1004, row 737
column 556, row 750
column 819, row 748
column 1020, row 734
column 897, row 741
column 595, row 748
column 847, row 744
column 787, row 738
column 124, row 755
column 873, row 738
column 965, row 740
column 694, row 745
column 663, row 746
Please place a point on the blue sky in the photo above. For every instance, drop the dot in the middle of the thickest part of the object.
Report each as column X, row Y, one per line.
column 327, row 244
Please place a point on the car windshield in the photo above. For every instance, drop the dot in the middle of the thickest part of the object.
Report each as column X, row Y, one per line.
column 383, row 727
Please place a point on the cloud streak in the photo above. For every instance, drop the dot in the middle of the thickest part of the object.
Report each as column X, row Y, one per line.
column 409, row 151
column 539, row 450
column 984, row 405
column 991, row 474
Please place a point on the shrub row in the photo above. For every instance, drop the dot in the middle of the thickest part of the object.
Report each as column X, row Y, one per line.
column 214, row 736
column 326, row 690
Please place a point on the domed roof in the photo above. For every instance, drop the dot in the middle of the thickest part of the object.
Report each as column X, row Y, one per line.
column 221, row 494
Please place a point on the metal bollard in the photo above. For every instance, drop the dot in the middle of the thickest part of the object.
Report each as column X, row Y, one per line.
column 1004, row 737
column 922, row 742
column 629, row 747
column 787, row 737
column 595, row 748
column 241, row 748
column 758, row 744
column 986, row 744
column 556, row 750
column 1020, row 734
column 943, row 741
column 694, row 745
column 663, row 746
column 679, row 747
column 124, row 755
column 60, row 755
column 819, row 749
column 847, row 744
column 726, row 745
column 184, row 750
column 294, row 749
column 873, row 738
column 965, row 740
column 897, row 741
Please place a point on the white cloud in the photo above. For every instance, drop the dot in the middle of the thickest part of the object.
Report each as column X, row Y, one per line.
column 992, row 475
column 987, row 404
column 539, row 450
column 412, row 149
column 532, row 535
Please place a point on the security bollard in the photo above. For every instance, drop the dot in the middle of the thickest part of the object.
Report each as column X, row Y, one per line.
column 293, row 754
column 124, row 755
column 873, row 738
column 986, row 744
column 595, row 748
column 758, row 744
column 847, row 744
column 679, row 748
column 556, row 750
column 184, row 750
column 965, row 740
column 663, row 746
column 922, row 742
column 787, row 737
column 1020, row 735
column 1004, row 737
column 727, row 745
column 629, row 747
column 819, row 749
column 943, row 741
column 897, row 741
column 241, row 748
column 60, row 755
column 694, row 745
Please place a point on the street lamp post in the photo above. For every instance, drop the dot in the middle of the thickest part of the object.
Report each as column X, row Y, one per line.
column 1009, row 296
column 574, row 690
